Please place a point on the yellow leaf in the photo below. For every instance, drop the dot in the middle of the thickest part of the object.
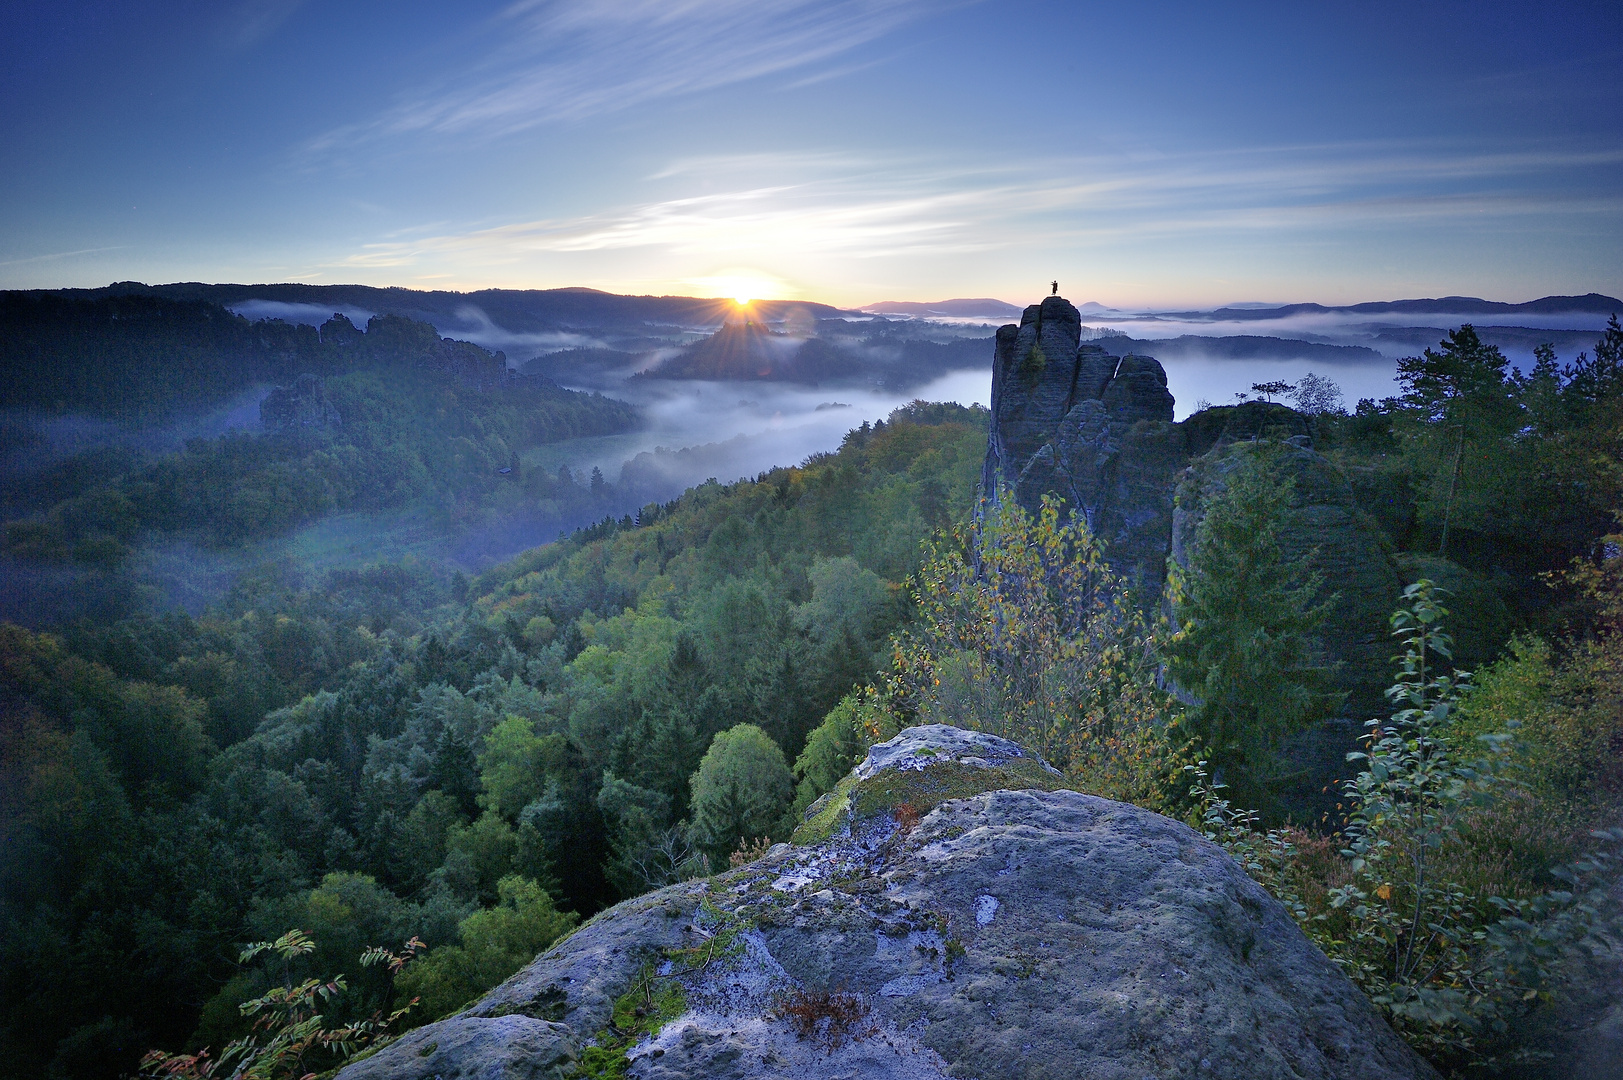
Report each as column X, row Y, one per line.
column 1384, row 892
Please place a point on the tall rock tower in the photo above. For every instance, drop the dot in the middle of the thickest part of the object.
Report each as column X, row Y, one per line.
column 1096, row 429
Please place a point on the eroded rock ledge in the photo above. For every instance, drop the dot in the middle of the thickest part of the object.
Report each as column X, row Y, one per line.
column 951, row 911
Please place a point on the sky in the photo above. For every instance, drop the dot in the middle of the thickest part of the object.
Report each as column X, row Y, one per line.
column 847, row 151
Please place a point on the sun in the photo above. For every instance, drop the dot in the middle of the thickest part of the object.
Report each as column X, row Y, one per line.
column 744, row 286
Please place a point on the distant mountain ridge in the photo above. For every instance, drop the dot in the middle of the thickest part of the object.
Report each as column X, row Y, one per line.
column 960, row 308
column 516, row 310
column 1587, row 304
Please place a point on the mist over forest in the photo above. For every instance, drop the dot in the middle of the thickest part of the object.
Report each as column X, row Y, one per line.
column 379, row 616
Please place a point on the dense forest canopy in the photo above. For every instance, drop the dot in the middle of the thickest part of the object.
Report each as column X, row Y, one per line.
column 178, row 785
column 393, row 750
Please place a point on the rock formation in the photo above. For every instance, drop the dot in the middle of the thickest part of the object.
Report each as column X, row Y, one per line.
column 1070, row 419
column 300, row 408
column 950, row 910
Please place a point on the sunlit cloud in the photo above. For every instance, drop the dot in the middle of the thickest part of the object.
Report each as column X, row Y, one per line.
column 837, row 207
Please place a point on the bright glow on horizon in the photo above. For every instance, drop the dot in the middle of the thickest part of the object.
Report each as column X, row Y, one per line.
column 796, row 150
column 742, row 285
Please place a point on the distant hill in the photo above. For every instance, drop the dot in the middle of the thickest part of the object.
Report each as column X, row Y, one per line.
column 1588, row 304
column 751, row 351
column 954, row 309
column 517, row 310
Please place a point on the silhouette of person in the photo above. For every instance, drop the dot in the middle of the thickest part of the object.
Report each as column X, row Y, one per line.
column 1055, row 288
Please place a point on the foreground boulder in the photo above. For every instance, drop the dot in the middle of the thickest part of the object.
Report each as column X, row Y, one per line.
column 950, row 910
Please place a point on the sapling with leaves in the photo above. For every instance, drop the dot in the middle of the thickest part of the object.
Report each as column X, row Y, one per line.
column 1024, row 631
column 1416, row 935
column 294, row 1035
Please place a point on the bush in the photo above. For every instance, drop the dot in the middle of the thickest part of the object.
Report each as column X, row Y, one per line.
column 494, row 944
column 1024, row 632
column 296, row 1026
column 1408, row 909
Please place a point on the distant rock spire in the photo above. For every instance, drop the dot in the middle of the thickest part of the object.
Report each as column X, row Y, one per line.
column 1064, row 412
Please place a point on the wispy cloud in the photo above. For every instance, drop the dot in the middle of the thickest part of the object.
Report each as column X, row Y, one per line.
column 59, row 255
column 250, row 21
column 563, row 60
column 835, row 205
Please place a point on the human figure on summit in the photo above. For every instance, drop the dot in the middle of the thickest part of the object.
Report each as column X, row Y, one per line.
column 1055, row 288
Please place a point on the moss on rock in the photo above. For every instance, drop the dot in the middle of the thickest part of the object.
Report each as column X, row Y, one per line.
column 925, row 773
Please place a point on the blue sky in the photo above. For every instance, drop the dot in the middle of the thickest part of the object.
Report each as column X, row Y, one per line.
column 850, row 151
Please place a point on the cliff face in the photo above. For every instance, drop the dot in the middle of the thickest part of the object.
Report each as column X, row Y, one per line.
column 1073, row 420
column 949, row 911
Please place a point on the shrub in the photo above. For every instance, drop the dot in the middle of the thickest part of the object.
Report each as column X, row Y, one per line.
column 1411, row 907
column 294, row 1031
column 1024, row 632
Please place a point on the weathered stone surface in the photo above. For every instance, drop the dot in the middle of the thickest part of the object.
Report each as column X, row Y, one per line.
column 1007, row 934
column 474, row 1048
column 1070, row 419
column 578, row 980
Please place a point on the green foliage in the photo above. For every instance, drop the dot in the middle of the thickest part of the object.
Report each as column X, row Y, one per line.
column 479, row 855
column 512, row 765
column 294, row 1032
column 740, row 791
column 1447, row 960
column 406, row 419
column 1023, row 631
column 1246, row 649
column 494, row 943
column 837, row 745
column 648, row 849
column 1031, row 366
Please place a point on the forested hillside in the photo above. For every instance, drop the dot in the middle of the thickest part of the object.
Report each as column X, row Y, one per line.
column 385, row 420
column 382, row 754
column 394, row 751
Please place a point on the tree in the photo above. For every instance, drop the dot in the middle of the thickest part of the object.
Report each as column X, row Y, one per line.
column 494, row 943
column 740, row 791
column 1270, row 390
column 1246, row 650
column 1460, row 396
column 1023, row 631
column 837, row 744
column 513, row 766
column 1315, row 394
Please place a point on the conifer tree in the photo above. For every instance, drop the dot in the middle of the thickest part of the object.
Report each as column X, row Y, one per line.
column 1246, row 650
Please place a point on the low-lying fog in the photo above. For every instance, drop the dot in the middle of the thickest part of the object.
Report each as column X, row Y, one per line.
column 727, row 430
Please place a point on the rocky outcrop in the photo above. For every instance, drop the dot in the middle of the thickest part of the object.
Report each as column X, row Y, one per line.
column 301, row 408
column 950, row 910
column 1073, row 420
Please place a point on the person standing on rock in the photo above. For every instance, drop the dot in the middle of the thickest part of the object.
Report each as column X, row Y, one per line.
column 1054, row 286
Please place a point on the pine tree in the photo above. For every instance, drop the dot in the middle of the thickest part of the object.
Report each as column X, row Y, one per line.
column 1246, row 650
